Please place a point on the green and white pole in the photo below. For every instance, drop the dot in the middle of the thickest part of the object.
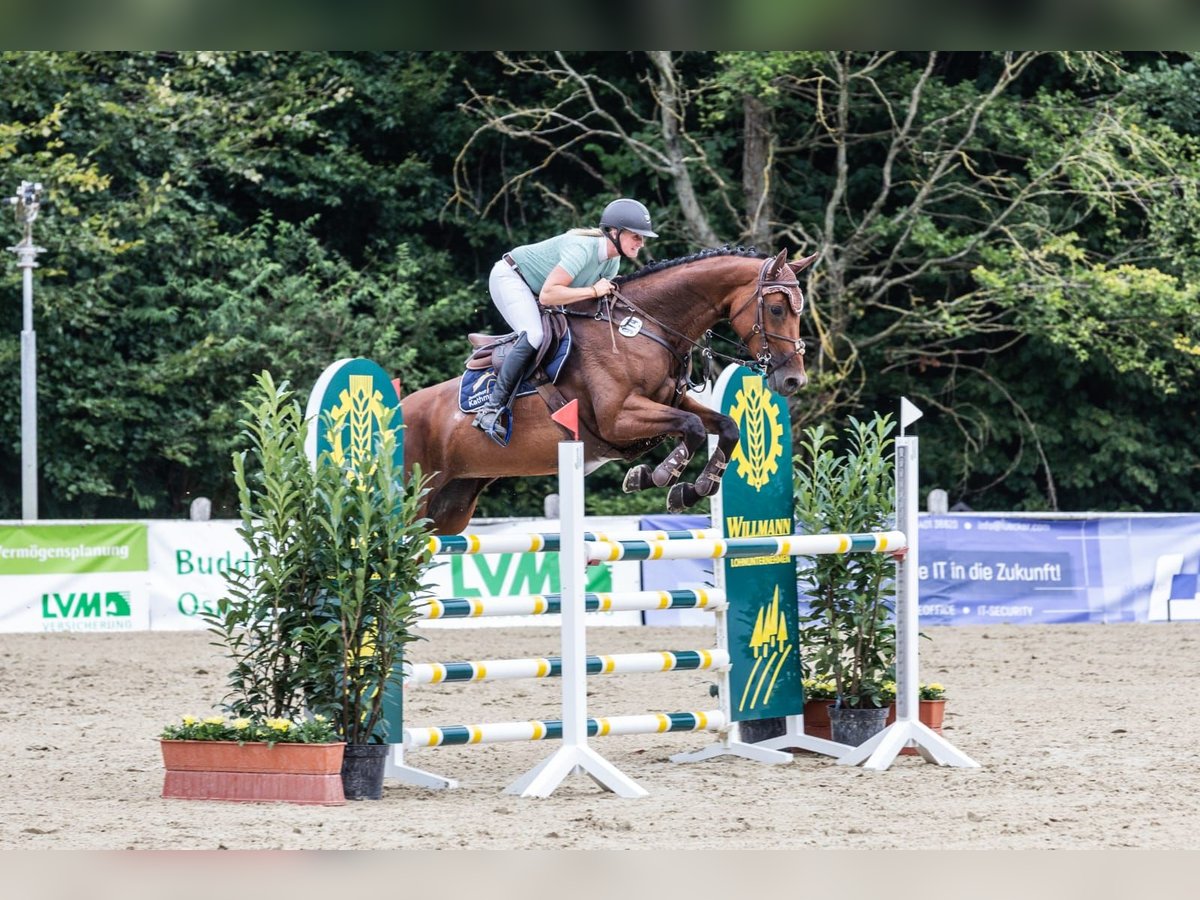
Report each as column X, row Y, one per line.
column 756, row 498
column 360, row 384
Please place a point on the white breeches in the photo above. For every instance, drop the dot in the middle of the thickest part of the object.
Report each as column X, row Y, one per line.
column 516, row 302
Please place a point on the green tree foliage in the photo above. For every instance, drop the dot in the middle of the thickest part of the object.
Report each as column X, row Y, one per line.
column 214, row 214
column 1010, row 239
column 963, row 204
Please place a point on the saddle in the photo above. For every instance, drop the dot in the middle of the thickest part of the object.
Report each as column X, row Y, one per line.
column 488, row 357
column 490, row 350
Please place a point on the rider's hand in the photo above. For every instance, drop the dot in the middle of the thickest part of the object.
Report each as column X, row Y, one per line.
column 602, row 287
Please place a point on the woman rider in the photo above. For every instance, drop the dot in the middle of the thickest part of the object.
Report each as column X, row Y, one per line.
column 573, row 266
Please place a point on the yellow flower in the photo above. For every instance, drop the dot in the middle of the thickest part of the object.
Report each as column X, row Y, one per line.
column 189, row 720
column 319, row 718
column 936, row 686
column 214, row 720
column 279, row 724
column 241, row 724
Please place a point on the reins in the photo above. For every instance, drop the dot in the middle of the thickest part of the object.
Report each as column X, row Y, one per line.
column 763, row 361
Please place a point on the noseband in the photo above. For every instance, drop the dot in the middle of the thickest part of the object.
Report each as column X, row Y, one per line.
column 791, row 287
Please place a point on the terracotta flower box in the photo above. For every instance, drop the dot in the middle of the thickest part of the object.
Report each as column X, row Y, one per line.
column 816, row 718
column 253, row 772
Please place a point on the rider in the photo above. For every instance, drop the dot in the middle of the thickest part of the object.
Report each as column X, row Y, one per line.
column 570, row 267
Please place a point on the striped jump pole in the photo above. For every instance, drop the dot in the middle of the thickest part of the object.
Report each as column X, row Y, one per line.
column 550, row 604
column 470, row 544
column 734, row 548
column 552, row 666
column 551, row 729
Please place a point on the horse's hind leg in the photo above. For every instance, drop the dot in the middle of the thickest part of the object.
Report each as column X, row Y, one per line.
column 452, row 504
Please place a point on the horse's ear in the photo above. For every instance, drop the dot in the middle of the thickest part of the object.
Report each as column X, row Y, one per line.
column 802, row 264
column 778, row 263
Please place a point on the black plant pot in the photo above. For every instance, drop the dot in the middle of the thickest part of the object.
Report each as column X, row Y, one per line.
column 753, row 731
column 853, row 726
column 362, row 771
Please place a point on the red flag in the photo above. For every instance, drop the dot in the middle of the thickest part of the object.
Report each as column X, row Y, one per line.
column 568, row 418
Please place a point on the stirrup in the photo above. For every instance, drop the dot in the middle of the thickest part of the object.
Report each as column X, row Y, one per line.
column 488, row 418
column 488, row 421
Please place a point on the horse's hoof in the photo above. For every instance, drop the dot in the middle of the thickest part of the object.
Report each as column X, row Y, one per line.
column 637, row 479
column 681, row 497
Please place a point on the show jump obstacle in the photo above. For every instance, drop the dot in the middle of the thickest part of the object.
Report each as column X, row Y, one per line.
column 756, row 660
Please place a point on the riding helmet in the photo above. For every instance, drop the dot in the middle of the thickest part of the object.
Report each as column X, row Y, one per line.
column 628, row 215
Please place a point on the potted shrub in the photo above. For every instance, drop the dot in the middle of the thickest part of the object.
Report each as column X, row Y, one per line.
column 849, row 630
column 316, row 628
column 373, row 549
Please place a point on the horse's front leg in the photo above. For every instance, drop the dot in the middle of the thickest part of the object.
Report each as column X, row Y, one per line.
column 693, row 422
column 640, row 419
column 685, row 495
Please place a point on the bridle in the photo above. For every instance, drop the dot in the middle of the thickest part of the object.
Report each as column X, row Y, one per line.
column 790, row 287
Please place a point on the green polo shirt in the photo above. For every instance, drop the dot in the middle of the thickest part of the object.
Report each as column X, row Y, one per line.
column 579, row 254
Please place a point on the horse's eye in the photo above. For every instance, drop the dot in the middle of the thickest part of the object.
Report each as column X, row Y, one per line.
column 776, row 310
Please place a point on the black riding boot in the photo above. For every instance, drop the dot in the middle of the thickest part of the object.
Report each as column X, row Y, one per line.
column 508, row 379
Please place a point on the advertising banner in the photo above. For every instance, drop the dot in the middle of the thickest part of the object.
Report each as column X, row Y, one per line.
column 979, row 569
column 756, row 501
column 74, row 577
column 517, row 574
column 188, row 562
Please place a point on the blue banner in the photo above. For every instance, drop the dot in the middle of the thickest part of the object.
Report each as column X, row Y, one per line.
column 980, row 569
column 669, row 574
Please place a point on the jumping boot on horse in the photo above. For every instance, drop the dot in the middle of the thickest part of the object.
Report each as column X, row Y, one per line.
column 512, row 370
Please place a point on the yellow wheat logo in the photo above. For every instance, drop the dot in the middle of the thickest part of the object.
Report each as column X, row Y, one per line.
column 771, row 646
column 354, row 421
column 759, row 449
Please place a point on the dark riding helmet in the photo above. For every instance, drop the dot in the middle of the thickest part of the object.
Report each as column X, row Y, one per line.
column 627, row 215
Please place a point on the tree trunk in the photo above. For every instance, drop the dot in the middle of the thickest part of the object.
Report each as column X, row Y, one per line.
column 757, row 156
column 671, row 110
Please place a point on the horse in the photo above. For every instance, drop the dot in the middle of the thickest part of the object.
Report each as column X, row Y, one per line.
column 629, row 370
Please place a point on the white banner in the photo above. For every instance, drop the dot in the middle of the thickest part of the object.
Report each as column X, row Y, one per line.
column 73, row 576
column 178, row 574
column 188, row 562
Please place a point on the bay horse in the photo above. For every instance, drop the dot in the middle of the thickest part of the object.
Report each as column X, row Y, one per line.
column 632, row 389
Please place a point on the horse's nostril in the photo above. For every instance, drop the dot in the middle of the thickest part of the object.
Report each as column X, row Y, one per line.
column 793, row 383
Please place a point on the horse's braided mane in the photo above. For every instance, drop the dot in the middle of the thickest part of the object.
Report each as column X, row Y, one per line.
column 679, row 261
